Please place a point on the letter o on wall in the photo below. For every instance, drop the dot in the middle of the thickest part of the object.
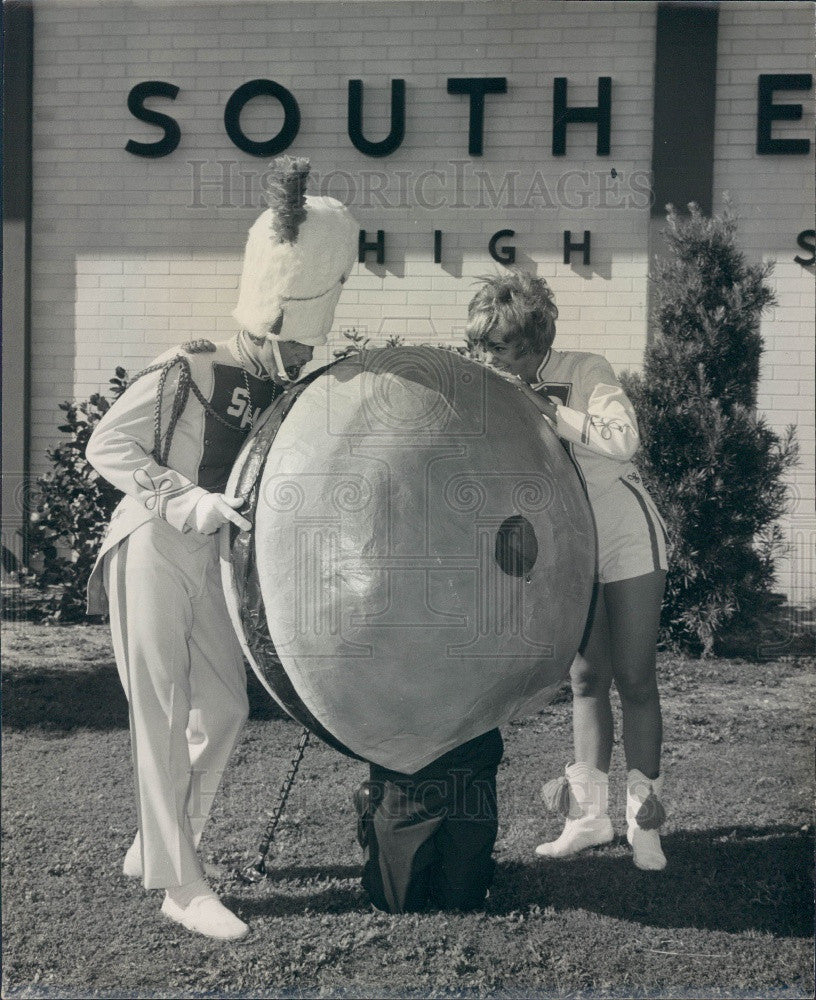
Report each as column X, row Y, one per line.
column 244, row 94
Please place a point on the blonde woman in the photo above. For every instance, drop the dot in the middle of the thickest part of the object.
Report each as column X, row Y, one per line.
column 512, row 316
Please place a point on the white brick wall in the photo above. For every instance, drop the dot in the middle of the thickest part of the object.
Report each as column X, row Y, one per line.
column 774, row 199
column 124, row 265
column 128, row 258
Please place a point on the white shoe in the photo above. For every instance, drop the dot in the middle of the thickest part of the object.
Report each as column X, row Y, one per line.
column 206, row 915
column 132, row 865
column 644, row 816
column 588, row 823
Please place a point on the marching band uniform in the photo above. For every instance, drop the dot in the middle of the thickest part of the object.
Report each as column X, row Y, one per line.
column 178, row 659
column 169, row 443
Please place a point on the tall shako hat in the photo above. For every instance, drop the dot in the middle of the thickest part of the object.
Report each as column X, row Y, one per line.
column 298, row 254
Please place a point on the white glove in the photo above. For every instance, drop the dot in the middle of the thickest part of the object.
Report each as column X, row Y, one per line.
column 215, row 509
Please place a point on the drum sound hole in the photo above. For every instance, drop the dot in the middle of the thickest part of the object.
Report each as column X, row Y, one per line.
column 516, row 546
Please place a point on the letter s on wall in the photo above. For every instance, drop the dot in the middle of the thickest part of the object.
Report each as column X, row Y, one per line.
column 172, row 132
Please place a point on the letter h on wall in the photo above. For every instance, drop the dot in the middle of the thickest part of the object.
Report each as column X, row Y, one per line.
column 569, row 246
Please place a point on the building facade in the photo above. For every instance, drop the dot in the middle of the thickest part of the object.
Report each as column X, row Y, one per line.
column 464, row 135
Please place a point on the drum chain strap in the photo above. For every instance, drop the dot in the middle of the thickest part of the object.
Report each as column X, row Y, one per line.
column 249, row 399
column 258, row 870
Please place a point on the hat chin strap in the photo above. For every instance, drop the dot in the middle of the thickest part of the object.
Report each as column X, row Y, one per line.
column 282, row 374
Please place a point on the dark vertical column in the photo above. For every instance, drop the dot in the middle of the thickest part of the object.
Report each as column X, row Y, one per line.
column 18, row 37
column 685, row 87
column 684, row 96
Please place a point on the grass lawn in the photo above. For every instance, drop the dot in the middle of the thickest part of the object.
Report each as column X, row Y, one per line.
column 731, row 916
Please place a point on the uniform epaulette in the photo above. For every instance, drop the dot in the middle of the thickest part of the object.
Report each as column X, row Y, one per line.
column 198, row 346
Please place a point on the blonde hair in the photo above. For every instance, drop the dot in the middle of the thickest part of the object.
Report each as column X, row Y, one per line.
column 514, row 307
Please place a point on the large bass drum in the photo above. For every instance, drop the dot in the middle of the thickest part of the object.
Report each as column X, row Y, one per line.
column 422, row 555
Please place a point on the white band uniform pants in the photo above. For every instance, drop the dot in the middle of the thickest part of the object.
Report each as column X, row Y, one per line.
column 183, row 673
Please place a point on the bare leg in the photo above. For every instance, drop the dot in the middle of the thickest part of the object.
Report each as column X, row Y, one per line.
column 633, row 615
column 588, row 823
column 591, row 677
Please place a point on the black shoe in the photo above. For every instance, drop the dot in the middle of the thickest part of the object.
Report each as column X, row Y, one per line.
column 366, row 799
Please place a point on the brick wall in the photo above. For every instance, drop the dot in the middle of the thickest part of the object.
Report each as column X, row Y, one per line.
column 131, row 256
column 774, row 199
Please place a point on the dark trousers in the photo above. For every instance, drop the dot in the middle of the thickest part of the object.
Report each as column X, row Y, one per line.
column 429, row 836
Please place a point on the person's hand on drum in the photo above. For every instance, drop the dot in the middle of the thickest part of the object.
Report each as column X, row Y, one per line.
column 215, row 509
column 543, row 404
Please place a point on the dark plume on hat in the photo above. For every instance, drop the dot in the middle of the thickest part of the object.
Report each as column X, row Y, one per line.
column 286, row 196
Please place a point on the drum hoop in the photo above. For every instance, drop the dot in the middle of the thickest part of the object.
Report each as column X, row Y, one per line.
column 245, row 570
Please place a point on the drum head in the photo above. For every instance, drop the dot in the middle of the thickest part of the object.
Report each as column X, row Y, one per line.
column 422, row 554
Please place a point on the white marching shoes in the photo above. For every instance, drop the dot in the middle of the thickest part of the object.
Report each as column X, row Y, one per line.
column 583, row 797
column 132, row 865
column 644, row 817
column 207, row 915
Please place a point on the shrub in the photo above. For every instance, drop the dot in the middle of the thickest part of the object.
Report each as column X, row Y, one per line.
column 72, row 506
column 359, row 342
column 714, row 467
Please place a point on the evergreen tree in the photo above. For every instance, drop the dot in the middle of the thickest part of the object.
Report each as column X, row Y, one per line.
column 713, row 465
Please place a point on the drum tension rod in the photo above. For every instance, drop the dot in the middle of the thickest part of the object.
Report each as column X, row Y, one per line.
column 257, row 871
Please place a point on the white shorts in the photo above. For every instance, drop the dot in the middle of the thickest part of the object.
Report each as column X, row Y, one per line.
column 632, row 538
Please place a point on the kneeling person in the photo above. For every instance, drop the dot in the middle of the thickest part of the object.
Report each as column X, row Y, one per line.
column 428, row 837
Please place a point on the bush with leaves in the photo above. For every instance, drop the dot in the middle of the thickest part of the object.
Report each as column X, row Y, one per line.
column 714, row 466
column 358, row 342
column 72, row 506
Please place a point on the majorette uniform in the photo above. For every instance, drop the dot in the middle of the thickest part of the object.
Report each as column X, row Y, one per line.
column 178, row 659
column 597, row 422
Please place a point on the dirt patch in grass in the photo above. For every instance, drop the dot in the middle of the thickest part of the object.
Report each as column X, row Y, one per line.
column 731, row 916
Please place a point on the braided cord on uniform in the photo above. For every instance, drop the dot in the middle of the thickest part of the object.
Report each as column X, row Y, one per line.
column 179, row 402
column 157, row 435
column 186, row 384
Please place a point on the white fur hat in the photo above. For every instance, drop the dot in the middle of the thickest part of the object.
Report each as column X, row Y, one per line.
column 298, row 254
